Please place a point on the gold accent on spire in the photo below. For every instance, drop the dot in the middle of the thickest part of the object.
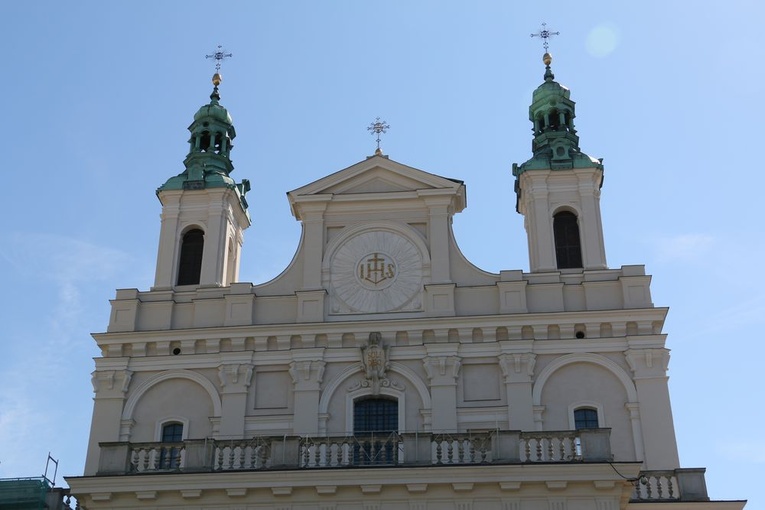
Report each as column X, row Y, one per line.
column 216, row 79
column 547, row 59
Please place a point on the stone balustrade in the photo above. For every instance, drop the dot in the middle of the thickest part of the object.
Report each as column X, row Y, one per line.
column 289, row 452
column 671, row 485
column 395, row 449
column 361, row 450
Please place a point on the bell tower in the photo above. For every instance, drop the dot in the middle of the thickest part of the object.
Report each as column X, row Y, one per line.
column 204, row 211
column 558, row 189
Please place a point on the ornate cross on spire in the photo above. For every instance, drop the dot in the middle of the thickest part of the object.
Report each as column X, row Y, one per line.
column 545, row 35
column 219, row 55
column 378, row 127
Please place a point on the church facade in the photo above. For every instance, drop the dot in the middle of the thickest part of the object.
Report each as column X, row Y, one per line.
column 382, row 370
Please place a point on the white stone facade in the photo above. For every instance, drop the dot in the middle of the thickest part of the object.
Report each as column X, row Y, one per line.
column 486, row 370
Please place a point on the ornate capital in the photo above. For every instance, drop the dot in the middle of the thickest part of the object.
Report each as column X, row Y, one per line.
column 442, row 369
column 517, row 367
column 111, row 383
column 307, row 374
column 648, row 363
column 235, row 376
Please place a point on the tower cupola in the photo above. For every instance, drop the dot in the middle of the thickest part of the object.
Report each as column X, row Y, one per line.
column 208, row 163
column 555, row 144
column 204, row 211
column 558, row 189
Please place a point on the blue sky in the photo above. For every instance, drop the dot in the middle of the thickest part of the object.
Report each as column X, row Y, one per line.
column 98, row 96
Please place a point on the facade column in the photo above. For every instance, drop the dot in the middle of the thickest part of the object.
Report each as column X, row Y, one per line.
column 442, row 369
column 536, row 209
column 169, row 239
column 215, row 243
column 307, row 376
column 637, row 430
column 649, row 367
column 591, row 227
column 313, row 242
column 110, row 386
column 235, row 378
column 438, row 235
column 518, row 369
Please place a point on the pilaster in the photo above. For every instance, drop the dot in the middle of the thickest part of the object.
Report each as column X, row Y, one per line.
column 313, row 240
column 110, row 385
column 307, row 372
column 235, row 377
column 442, row 367
column 518, row 369
column 649, row 367
column 438, row 235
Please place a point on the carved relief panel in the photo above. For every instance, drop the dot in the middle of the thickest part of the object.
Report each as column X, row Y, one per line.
column 374, row 272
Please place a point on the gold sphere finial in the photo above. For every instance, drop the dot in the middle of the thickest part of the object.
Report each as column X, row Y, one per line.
column 216, row 79
column 547, row 59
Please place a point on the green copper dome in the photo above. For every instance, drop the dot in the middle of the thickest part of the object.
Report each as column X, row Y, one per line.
column 555, row 145
column 208, row 163
column 213, row 111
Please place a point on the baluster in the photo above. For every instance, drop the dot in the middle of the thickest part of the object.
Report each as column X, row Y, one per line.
column 219, row 457
column 439, row 451
column 240, row 460
column 156, row 456
column 660, row 486
column 263, row 452
column 305, row 455
column 550, row 449
column 539, row 449
column 562, row 449
column 471, row 450
column 670, row 487
column 648, row 488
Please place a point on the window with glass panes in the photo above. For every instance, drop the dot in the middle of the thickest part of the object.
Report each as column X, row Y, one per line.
column 170, row 457
column 375, row 415
column 586, row 418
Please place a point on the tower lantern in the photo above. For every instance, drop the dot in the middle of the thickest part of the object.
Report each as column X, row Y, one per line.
column 204, row 211
column 558, row 189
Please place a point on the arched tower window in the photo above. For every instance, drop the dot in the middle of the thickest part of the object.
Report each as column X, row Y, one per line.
column 568, row 244
column 170, row 456
column 375, row 423
column 554, row 119
column 190, row 261
column 586, row 418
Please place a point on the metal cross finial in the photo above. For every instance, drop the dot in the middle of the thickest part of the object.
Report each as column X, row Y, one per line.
column 219, row 55
column 545, row 35
column 377, row 127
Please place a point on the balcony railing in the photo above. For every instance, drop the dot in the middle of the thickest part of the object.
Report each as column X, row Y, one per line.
column 671, row 485
column 393, row 449
column 289, row 452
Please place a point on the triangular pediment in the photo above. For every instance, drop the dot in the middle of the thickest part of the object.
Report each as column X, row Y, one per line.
column 374, row 180
column 377, row 174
